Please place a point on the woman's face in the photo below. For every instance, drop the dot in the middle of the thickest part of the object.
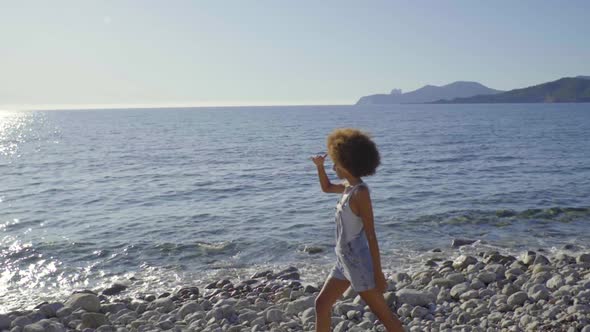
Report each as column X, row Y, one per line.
column 339, row 171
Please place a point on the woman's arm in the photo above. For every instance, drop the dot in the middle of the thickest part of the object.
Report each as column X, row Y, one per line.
column 361, row 202
column 325, row 183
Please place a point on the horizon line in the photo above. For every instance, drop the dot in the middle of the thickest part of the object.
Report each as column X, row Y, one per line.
column 123, row 106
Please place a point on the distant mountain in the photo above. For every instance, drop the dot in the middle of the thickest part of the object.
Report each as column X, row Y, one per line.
column 429, row 93
column 564, row 90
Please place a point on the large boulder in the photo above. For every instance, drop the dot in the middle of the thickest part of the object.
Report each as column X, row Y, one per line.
column 86, row 301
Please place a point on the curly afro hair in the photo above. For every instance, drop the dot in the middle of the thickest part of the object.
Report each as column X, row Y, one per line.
column 353, row 150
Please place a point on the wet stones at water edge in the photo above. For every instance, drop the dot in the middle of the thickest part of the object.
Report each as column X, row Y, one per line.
column 483, row 292
column 114, row 289
column 456, row 243
column 313, row 249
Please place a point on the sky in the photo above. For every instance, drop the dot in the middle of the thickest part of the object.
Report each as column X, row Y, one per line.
column 215, row 53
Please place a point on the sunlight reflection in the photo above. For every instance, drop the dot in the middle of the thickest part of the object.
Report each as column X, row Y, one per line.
column 14, row 130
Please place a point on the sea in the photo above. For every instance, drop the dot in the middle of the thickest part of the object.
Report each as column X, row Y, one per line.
column 161, row 198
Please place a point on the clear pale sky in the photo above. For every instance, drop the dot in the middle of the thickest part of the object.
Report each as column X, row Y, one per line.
column 278, row 52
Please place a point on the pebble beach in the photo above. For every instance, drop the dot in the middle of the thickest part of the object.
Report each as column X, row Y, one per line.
column 486, row 291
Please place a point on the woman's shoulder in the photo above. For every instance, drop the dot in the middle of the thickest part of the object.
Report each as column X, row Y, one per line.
column 360, row 189
column 362, row 186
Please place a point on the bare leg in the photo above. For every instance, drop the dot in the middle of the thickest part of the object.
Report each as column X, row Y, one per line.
column 374, row 299
column 332, row 290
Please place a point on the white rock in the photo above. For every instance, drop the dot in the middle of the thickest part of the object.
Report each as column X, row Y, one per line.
column 555, row 282
column 414, row 297
column 308, row 315
column 468, row 295
column 463, row 262
column 459, row 289
column 300, row 305
column 517, row 299
column 539, row 292
column 189, row 308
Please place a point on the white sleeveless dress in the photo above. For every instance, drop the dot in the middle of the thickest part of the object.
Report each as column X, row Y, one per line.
column 353, row 257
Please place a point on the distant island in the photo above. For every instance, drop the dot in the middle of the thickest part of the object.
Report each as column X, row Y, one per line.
column 564, row 90
column 429, row 93
column 567, row 89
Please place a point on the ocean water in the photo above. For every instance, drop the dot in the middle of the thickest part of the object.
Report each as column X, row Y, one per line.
column 159, row 198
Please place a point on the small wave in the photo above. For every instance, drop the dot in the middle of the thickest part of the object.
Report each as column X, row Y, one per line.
column 451, row 159
column 503, row 216
column 501, row 158
column 214, row 246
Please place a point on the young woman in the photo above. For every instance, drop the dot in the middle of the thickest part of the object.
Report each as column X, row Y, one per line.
column 358, row 263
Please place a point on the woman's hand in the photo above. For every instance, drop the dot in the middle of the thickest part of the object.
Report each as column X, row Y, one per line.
column 319, row 159
column 380, row 282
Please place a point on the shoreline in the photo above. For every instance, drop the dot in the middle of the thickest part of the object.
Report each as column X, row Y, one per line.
column 485, row 291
